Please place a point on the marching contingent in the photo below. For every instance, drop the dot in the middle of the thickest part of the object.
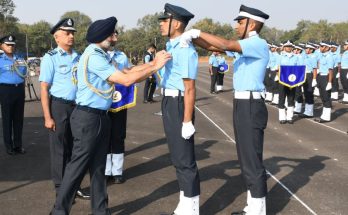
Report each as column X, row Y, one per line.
column 298, row 72
column 85, row 100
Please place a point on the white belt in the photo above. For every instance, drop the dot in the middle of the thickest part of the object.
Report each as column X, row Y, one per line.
column 171, row 92
column 246, row 95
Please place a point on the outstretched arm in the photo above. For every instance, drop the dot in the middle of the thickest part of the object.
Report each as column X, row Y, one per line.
column 218, row 42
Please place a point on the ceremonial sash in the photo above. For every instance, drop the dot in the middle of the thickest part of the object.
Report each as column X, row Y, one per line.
column 292, row 76
column 123, row 97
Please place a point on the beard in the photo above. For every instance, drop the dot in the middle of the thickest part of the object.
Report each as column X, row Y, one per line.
column 107, row 45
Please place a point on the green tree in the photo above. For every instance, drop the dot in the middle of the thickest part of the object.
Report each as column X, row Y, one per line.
column 7, row 21
column 134, row 41
column 272, row 35
column 216, row 28
column 39, row 38
column 6, row 8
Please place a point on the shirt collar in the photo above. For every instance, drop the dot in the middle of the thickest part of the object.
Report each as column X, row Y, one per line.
column 63, row 52
column 253, row 33
column 174, row 42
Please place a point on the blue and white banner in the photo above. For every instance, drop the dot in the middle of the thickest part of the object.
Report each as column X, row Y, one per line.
column 223, row 68
column 292, row 76
column 123, row 97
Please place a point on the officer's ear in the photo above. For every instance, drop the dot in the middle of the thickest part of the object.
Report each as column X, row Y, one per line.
column 255, row 25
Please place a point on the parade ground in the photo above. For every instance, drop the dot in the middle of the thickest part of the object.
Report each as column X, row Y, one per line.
column 307, row 162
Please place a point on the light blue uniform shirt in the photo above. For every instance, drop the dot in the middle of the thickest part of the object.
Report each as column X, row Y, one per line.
column 9, row 73
column 326, row 62
column 311, row 62
column 120, row 58
column 58, row 68
column 300, row 59
column 213, row 61
column 336, row 58
column 99, row 69
column 220, row 60
column 274, row 61
column 250, row 65
column 290, row 59
column 344, row 60
column 184, row 64
column 317, row 53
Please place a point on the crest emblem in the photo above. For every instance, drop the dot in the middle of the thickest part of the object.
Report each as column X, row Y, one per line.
column 10, row 38
column 117, row 96
column 69, row 22
column 292, row 78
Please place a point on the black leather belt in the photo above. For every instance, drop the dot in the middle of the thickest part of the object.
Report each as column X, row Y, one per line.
column 91, row 110
column 11, row 85
column 65, row 101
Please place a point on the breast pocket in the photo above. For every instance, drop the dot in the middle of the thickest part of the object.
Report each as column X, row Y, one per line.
column 63, row 69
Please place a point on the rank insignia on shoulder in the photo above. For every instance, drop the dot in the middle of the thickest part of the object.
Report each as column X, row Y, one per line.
column 99, row 51
column 52, row 52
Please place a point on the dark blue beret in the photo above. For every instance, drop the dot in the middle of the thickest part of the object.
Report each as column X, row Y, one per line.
column 252, row 13
column 176, row 12
column 8, row 39
column 66, row 24
column 101, row 29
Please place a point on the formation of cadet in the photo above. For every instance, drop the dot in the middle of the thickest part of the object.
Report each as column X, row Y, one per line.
column 77, row 93
column 325, row 66
column 13, row 70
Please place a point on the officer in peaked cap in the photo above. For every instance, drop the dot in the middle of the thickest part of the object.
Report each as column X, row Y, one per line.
column 66, row 24
column 58, row 89
column 175, row 12
column 249, row 72
column 178, row 85
column 324, row 80
column 8, row 40
column 12, row 94
column 344, row 72
column 336, row 55
column 90, row 123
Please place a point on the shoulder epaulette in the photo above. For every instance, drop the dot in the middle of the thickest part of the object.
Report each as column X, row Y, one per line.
column 100, row 51
column 52, row 52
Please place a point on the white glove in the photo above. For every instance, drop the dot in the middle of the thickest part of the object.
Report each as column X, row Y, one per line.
column 328, row 86
column 186, row 37
column 314, row 83
column 276, row 78
column 187, row 130
column 338, row 75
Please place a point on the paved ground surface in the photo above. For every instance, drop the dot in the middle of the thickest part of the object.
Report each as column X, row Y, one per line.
column 307, row 163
